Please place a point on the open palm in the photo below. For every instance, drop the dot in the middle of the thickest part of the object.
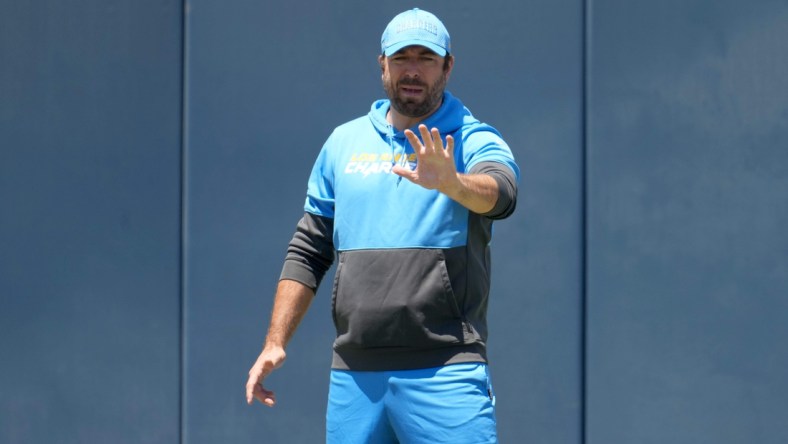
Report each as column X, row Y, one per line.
column 435, row 168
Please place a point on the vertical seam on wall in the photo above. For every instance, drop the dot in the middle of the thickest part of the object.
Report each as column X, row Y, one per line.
column 184, row 214
column 586, row 29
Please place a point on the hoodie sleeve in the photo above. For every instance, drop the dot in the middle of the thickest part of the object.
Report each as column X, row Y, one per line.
column 310, row 252
column 507, row 188
column 485, row 152
column 484, row 144
column 320, row 190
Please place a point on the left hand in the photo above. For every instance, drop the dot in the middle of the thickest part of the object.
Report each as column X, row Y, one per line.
column 435, row 168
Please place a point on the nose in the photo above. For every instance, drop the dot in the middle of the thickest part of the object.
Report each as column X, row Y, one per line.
column 412, row 69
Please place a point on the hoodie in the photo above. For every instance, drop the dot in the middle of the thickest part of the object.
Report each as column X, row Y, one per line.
column 413, row 266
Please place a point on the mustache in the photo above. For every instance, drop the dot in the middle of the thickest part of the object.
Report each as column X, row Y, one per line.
column 412, row 82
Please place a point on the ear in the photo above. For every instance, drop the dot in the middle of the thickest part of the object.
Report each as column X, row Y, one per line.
column 449, row 65
column 382, row 62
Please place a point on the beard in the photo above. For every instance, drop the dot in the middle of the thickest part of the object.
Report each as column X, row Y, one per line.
column 433, row 96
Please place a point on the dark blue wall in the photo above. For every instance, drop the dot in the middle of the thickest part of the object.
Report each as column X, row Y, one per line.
column 688, row 215
column 153, row 164
column 90, row 219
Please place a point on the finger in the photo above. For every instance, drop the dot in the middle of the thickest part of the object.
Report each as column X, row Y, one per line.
column 450, row 146
column 258, row 392
column 266, row 397
column 425, row 136
column 270, row 400
column 251, row 394
column 436, row 139
column 250, row 388
column 404, row 172
column 414, row 142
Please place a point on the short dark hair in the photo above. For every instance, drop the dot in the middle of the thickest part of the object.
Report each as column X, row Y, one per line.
column 446, row 61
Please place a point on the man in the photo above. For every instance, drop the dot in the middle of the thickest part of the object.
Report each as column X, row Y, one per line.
column 405, row 198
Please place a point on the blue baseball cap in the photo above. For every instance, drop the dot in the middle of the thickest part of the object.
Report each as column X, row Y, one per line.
column 415, row 27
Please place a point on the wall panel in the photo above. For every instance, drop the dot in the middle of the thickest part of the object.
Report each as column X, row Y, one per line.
column 688, row 252
column 89, row 221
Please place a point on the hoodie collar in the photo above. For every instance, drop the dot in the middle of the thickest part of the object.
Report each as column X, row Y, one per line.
column 448, row 118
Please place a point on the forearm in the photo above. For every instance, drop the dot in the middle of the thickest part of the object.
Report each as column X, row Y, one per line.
column 291, row 303
column 476, row 192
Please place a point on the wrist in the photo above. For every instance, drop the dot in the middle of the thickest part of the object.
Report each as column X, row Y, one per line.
column 453, row 188
column 272, row 344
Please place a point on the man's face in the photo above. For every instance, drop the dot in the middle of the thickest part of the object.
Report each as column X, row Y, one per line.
column 414, row 79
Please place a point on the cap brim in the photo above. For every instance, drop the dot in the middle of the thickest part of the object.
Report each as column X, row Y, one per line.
column 429, row 45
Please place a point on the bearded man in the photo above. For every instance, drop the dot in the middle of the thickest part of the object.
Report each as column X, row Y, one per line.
column 412, row 280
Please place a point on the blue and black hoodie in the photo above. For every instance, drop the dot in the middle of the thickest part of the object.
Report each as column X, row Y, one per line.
column 413, row 273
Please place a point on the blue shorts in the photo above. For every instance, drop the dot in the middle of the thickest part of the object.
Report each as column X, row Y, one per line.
column 450, row 404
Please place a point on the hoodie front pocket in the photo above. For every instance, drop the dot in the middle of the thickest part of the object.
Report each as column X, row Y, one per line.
column 395, row 298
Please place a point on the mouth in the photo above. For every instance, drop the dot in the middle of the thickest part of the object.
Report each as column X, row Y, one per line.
column 411, row 90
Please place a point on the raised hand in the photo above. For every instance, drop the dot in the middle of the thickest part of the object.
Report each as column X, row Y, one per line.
column 435, row 168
